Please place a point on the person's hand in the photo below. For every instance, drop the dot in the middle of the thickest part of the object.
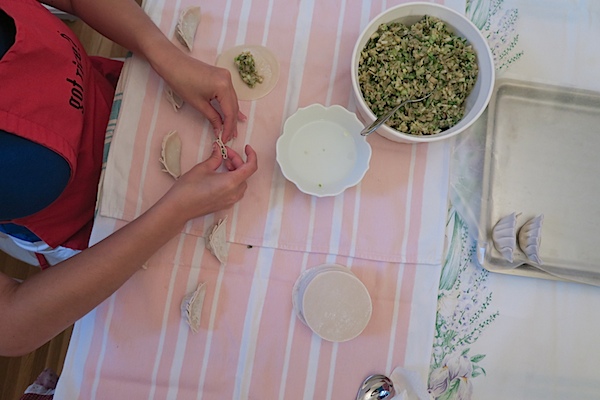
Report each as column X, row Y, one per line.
column 200, row 85
column 203, row 190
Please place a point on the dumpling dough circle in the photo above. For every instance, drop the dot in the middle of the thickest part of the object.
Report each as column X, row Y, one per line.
column 266, row 65
column 336, row 305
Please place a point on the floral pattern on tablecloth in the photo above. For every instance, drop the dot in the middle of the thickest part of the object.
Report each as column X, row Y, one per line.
column 464, row 301
column 463, row 314
column 498, row 26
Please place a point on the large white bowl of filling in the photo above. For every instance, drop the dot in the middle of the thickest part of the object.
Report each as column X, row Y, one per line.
column 413, row 49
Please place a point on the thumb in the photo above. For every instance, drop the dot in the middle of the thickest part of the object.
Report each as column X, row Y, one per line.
column 215, row 159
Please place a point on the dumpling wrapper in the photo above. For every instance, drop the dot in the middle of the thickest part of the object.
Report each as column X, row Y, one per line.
column 530, row 237
column 216, row 242
column 187, row 25
column 266, row 65
column 174, row 99
column 504, row 236
column 336, row 306
column 170, row 156
column 191, row 307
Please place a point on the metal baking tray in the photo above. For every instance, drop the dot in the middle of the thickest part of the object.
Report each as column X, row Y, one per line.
column 542, row 156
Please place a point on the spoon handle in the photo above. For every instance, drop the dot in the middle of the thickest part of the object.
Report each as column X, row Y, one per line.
column 381, row 120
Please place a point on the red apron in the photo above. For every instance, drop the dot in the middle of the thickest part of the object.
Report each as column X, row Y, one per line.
column 53, row 94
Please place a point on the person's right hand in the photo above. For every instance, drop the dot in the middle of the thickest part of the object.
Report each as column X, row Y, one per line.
column 203, row 190
column 199, row 84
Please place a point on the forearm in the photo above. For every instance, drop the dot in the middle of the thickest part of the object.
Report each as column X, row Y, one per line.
column 49, row 302
column 125, row 23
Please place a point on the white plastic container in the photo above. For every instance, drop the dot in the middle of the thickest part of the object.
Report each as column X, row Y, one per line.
column 332, row 302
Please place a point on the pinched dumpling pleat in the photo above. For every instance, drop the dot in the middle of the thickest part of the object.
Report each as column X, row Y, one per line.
column 219, row 142
column 530, row 238
column 187, row 25
column 174, row 99
column 191, row 307
column 170, row 156
column 504, row 235
column 216, row 242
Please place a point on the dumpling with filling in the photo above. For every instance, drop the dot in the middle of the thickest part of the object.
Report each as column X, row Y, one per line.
column 170, row 155
column 191, row 307
column 216, row 242
column 504, row 236
column 530, row 238
column 187, row 25
column 173, row 98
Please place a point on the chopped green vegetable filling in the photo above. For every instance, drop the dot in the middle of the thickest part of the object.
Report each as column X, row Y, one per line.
column 247, row 69
column 402, row 62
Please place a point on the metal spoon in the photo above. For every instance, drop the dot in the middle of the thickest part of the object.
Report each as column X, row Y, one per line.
column 381, row 120
column 376, row 387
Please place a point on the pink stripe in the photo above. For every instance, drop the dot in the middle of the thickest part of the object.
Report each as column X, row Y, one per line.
column 135, row 171
column 385, row 183
column 256, row 30
column 139, row 337
column 370, row 346
column 94, row 351
column 417, row 202
column 274, row 323
column 173, row 323
column 350, row 29
column 229, row 327
column 403, row 326
column 168, row 15
column 268, row 117
column 315, row 84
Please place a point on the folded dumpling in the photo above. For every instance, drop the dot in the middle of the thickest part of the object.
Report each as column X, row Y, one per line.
column 173, row 98
column 170, row 156
column 216, row 242
column 530, row 238
column 504, row 236
column 187, row 25
column 191, row 307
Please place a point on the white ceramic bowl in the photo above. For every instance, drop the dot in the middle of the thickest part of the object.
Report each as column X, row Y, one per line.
column 321, row 150
column 408, row 14
column 332, row 302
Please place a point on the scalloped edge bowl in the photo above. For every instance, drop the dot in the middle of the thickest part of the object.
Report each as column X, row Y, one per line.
column 321, row 150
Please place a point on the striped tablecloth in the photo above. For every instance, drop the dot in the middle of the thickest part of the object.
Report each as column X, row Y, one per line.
column 389, row 230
